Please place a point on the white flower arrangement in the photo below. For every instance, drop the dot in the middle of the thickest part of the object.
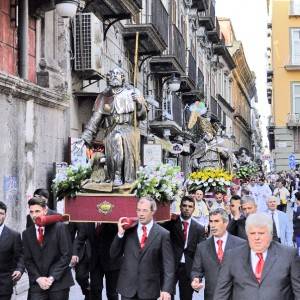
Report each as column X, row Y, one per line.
column 162, row 182
column 69, row 183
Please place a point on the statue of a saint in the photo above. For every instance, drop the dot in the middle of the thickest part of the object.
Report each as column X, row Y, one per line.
column 209, row 151
column 117, row 110
column 244, row 156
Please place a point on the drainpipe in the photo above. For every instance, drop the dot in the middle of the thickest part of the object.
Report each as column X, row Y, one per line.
column 23, row 38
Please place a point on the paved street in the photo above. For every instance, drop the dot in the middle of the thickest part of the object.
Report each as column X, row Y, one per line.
column 75, row 294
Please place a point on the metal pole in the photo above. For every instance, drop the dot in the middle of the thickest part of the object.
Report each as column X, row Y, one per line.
column 23, row 38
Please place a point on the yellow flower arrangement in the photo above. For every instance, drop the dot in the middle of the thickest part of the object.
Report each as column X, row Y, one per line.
column 209, row 179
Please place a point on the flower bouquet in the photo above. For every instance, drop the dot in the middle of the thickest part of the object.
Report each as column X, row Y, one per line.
column 209, row 180
column 162, row 182
column 69, row 183
column 245, row 172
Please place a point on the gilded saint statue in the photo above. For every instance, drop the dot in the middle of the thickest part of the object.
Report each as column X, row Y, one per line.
column 117, row 110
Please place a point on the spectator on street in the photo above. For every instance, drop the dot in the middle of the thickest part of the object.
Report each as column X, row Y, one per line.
column 237, row 224
column 263, row 192
column 283, row 194
column 11, row 257
column 282, row 227
column 235, row 207
column 218, row 202
column 201, row 211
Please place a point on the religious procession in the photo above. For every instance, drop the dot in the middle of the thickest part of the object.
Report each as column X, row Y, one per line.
column 139, row 159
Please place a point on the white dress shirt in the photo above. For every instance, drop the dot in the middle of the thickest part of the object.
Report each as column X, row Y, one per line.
column 1, row 228
column 187, row 236
column 224, row 240
column 255, row 259
column 140, row 229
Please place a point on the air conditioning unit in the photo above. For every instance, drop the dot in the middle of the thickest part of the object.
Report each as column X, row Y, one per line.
column 88, row 44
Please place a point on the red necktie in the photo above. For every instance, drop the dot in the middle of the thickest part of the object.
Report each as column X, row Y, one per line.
column 144, row 236
column 259, row 267
column 185, row 229
column 220, row 252
column 40, row 235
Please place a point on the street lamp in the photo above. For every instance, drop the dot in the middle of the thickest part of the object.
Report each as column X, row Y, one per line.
column 66, row 8
column 173, row 83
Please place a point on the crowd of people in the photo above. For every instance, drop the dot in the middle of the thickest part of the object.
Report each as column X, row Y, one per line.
column 242, row 244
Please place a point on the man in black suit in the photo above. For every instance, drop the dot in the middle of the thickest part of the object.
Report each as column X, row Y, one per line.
column 237, row 225
column 98, row 238
column 44, row 194
column 209, row 255
column 261, row 269
column 47, row 254
column 11, row 257
column 235, row 207
column 185, row 234
column 80, row 261
column 147, row 270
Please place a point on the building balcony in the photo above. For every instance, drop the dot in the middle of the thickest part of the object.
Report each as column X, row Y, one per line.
column 221, row 50
column 214, row 35
column 189, row 97
column 207, row 18
column 200, row 5
column 215, row 109
column 153, row 31
column 238, row 115
column 293, row 120
column 189, row 80
column 225, row 103
column 169, row 117
column 114, row 9
column 174, row 60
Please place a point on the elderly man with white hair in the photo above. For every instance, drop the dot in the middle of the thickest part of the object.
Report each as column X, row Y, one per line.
column 262, row 269
column 282, row 226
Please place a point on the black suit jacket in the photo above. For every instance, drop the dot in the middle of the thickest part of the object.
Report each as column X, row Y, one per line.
column 50, row 259
column 144, row 272
column 195, row 236
column 97, row 246
column 29, row 221
column 237, row 228
column 280, row 277
column 11, row 259
column 206, row 263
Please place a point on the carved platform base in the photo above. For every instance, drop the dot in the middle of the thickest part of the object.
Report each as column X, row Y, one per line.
column 107, row 208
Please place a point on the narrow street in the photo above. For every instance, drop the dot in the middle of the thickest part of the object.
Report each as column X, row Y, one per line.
column 76, row 294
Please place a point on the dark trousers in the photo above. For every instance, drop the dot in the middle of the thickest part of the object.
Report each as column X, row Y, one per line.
column 82, row 275
column 5, row 297
column 184, row 283
column 47, row 295
column 96, row 285
column 134, row 298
